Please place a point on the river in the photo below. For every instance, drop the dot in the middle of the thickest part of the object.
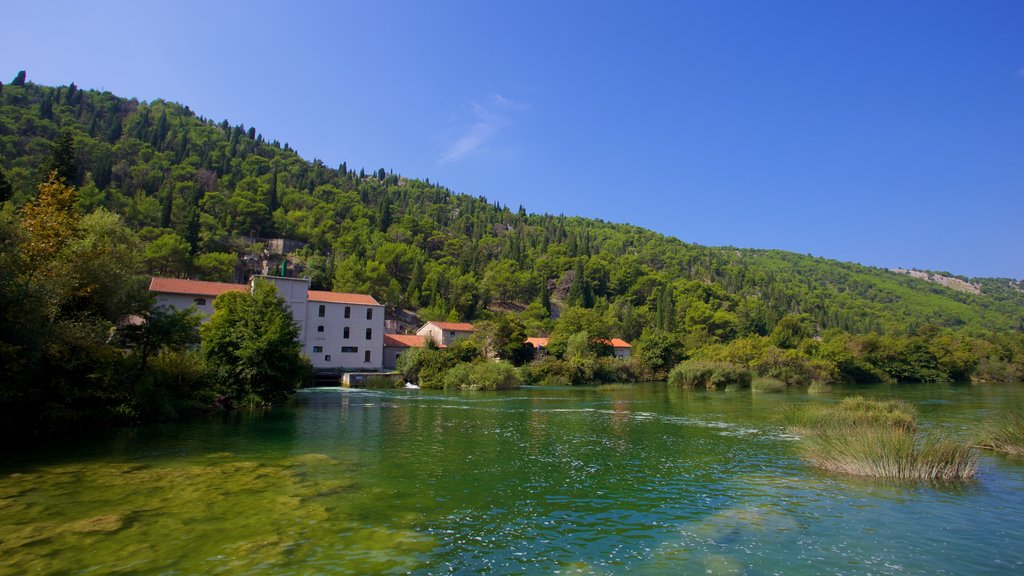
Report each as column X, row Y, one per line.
column 644, row 479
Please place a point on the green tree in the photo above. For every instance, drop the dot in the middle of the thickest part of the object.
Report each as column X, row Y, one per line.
column 49, row 220
column 167, row 255
column 19, row 79
column 6, row 191
column 791, row 330
column 251, row 344
column 62, row 159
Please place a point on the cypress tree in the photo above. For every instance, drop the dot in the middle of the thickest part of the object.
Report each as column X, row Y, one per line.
column 6, row 191
column 62, row 160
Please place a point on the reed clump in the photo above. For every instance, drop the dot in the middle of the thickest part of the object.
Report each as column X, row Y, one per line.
column 877, row 438
column 709, row 375
column 1004, row 433
column 767, row 384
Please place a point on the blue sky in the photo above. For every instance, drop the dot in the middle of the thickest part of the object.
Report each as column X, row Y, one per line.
column 889, row 133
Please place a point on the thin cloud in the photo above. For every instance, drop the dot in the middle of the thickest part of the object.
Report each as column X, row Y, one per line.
column 484, row 125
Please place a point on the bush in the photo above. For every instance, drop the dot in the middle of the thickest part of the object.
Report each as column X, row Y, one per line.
column 486, row 375
column 710, row 375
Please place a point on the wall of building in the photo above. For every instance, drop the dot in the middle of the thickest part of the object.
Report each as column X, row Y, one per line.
column 181, row 301
column 442, row 337
column 327, row 334
column 295, row 292
column 391, row 354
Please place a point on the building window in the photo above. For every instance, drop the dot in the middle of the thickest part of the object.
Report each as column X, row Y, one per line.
column 317, row 349
column 349, row 349
column 344, row 332
column 199, row 301
column 366, row 356
column 369, row 333
column 369, row 313
column 319, row 328
column 323, row 310
column 348, row 311
column 327, row 358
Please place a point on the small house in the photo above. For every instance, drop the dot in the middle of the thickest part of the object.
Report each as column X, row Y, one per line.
column 444, row 333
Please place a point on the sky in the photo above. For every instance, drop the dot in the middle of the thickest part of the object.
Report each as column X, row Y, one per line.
column 889, row 133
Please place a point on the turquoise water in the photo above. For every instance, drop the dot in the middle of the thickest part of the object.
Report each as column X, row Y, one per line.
column 645, row 480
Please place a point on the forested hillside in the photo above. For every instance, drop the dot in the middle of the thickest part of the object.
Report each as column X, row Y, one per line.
column 198, row 186
column 197, row 195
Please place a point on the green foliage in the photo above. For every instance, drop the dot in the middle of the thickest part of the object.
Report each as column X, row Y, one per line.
column 763, row 384
column 426, row 366
column 877, row 438
column 709, row 375
column 504, row 338
column 419, row 246
column 1003, row 433
column 251, row 345
column 485, row 375
column 79, row 344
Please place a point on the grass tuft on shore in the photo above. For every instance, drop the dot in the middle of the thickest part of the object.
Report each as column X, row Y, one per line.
column 765, row 384
column 877, row 438
column 1004, row 434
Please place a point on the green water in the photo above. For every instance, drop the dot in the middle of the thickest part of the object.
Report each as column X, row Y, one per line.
column 647, row 480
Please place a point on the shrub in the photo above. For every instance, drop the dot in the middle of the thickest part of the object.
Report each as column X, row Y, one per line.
column 710, row 375
column 486, row 375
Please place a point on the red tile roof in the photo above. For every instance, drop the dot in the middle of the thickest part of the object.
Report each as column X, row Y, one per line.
column 537, row 342
column 342, row 298
column 454, row 326
column 404, row 340
column 193, row 287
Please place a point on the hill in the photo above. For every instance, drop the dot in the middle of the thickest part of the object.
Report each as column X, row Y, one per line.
column 97, row 192
column 189, row 183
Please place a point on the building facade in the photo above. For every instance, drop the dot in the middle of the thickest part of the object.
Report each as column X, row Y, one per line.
column 338, row 331
column 397, row 344
column 444, row 333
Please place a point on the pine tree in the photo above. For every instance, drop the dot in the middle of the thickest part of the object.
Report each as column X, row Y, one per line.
column 6, row 190
column 19, row 79
column 62, row 161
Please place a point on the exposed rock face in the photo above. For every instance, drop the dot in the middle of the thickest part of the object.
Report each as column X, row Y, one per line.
column 947, row 281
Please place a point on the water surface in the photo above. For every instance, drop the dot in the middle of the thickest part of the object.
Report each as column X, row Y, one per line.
column 645, row 480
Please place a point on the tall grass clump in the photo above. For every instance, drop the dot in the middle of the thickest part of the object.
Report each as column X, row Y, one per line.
column 1004, row 434
column 877, row 438
column 710, row 375
column 766, row 384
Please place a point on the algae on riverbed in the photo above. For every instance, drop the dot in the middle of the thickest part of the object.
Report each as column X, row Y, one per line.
column 202, row 517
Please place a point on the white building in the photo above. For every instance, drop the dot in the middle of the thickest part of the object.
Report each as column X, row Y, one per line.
column 444, row 333
column 338, row 331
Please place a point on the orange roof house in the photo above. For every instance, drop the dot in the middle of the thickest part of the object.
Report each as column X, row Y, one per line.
column 445, row 332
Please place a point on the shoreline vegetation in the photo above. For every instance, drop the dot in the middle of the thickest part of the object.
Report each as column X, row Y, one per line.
column 877, row 438
column 97, row 193
column 1004, row 433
